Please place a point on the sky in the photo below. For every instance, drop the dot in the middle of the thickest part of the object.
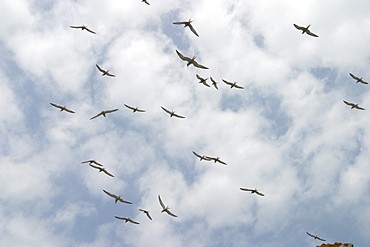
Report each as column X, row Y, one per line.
column 287, row 133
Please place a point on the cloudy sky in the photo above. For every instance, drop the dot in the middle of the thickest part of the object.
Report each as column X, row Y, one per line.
column 287, row 133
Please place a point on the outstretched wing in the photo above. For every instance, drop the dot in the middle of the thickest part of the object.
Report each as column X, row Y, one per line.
column 176, row 115
column 214, row 83
column 109, row 74
column 100, row 113
column 160, row 202
column 129, row 107
column 311, row 33
column 354, row 77
column 89, row 30
column 121, row 200
column 193, row 30
column 199, row 65
column 259, row 193
column 57, row 106
column 182, row 56
column 164, row 109
column 170, row 213
column 120, row 218
column 68, row 110
column 200, row 78
column 100, row 69
column 220, row 161
column 244, row 189
column 75, row 26
column 146, row 2
column 106, row 172
column 237, row 86
column 299, row 27
column 96, row 167
column 358, row 107
column 197, row 155
column 180, row 22
column 227, row 82
column 133, row 221
column 110, row 111
column 320, row 239
column 348, row 103
column 110, row 194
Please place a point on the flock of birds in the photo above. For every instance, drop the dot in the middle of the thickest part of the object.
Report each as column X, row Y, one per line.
column 190, row 61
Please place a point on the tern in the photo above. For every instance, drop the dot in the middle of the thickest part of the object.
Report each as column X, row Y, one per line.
column 214, row 83
column 91, row 161
column 305, row 30
column 190, row 60
column 252, row 191
column 187, row 24
column 103, row 113
column 216, row 160
column 353, row 105
column 172, row 113
column 126, row 220
column 145, row 1
column 201, row 157
column 102, row 170
column 232, row 84
column 62, row 108
column 358, row 79
column 146, row 212
column 165, row 209
column 117, row 198
column 105, row 72
column 202, row 80
column 83, row 28
column 315, row 237
column 134, row 109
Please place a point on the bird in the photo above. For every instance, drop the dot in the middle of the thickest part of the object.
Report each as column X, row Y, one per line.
column 145, row 1
column 105, row 72
column 103, row 113
column 117, row 198
column 216, row 160
column 146, row 212
column 62, row 108
column 201, row 157
column 232, row 84
column 214, row 83
column 315, row 237
column 101, row 170
column 126, row 220
column 91, row 161
column 305, row 30
column 353, row 105
column 187, row 24
column 202, row 80
column 358, row 79
column 165, row 209
column 252, row 191
column 134, row 109
column 190, row 60
column 83, row 28
column 172, row 113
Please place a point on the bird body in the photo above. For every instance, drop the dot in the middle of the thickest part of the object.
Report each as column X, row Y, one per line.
column 105, row 72
column 62, row 108
column 165, row 209
column 187, row 24
column 172, row 113
column 358, row 79
column 305, row 30
column 83, row 28
column 126, row 220
column 146, row 212
column 134, row 109
column 101, row 169
column 315, row 237
column 117, row 198
column 103, row 113
column 253, row 191
column 214, row 83
column 202, row 80
column 232, row 84
column 353, row 105
column 190, row 60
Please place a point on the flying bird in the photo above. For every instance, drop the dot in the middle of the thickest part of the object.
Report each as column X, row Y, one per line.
column 315, row 237
column 134, row 109
column 146, row 212
column 232, row 84
column 216, row 160
column 62, row 108
column 252, row 191
column 305, row 30
column 165, row 209
column 105, row 72
column 353, row 105
column 201, row 157
column 83, row 28
column 145, row 1
column 91, row 162
column 214, row 83
column 103, row 113
column 190, row 60
column 117, row 198
column 172, row 113
column 358, row 79
column 102, row 170
column 202, row 80
column 126, row 220
column 187, row 24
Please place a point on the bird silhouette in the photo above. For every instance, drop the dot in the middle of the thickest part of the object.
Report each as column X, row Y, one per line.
column 83, row 28
column 91, row 162
column 165, row 209
column 101, row 170
column 201, row 157
column 305, row 30
column 353, row 105
column 103, row 113
column 187, row 24
column 126, row 220
column 134, row 109
column 105, row 72
column 117, row 198
column 214, row 83
column 202, row 80
column 190, row 60
column 232, row 84
column 315, row 237
column 358, row 79
column 62, row 108
column 253, row 191
column 146, row 212
column 172, row 113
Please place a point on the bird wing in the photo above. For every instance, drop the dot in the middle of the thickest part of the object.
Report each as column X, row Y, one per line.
column 320, row 239
column 259, row 193
column 93, row 161
column 309, row 234
column 176, row 115
column 299, row 27
column 106, row 172
column 75, row 26
column 363, row 82
column 146, row 2
column 200, row 78
column 348, row 103
column 170, row 213
column 358, row 107
column 89, row 30
column 121, row 200
column 197, row 155
column 311, row 33
column 210, row 158
column 160, row 202
column 68, row 110
column 133, row 221
column 110, row 111
column 180, row 22
column 130, row 107
column 110, row 194
column 220, row 161
column 140, row 110
column 354, row 77
column 57, row 106
column 87, row 161
column 182, row 56
column 164, row 109
column 100, row 113
column 100, row 69
column 193, row 30
column 244, row 189
column 96, row 167
column 237, row 86
column 227, row 82
column 199, row 65
column 109, row 74
column 147, row 214
column 120, row 218
column 214, row 83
